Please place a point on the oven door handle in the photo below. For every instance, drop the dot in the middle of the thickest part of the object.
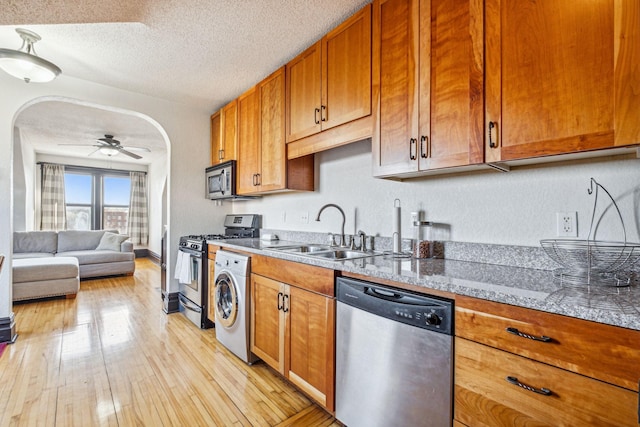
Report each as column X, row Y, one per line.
column 187, row 304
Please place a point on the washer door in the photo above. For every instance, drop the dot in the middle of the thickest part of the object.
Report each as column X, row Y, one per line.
column 226, row 300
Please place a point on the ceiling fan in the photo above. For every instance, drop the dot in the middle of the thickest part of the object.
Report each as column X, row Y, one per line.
column 111, row 147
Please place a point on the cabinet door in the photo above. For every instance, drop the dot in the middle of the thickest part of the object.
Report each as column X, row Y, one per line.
column 304, row 94
column 248, row 176
column 272, row 130
column 268, row 321
column 216, row 139
column 451, row 83
column 559, row 77
column 312, row 344
column 346, row 71
column 484, row 396
column 397, row 43
column 229, row 131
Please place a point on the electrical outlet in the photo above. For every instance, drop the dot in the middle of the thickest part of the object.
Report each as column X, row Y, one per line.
column 567, row 224
column 284, row 217
column 304, row 217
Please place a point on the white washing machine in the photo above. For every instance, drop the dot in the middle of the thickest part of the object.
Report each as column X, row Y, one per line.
column 233, row 303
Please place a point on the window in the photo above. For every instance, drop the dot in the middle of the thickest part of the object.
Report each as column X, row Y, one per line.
column 115, row 202
column 97, row 199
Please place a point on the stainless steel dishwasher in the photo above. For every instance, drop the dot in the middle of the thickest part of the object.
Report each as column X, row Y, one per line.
column 394, row 359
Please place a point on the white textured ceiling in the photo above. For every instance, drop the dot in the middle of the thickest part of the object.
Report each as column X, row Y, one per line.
column 197, row 52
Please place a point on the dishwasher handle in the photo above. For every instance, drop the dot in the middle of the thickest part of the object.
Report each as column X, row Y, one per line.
column 398, row 298
column 382, row 293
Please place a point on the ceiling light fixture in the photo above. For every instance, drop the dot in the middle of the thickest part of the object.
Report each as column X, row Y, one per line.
column 109, row 151
column 24, row 63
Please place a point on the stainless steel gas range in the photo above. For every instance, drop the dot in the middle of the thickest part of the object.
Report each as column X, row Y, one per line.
column 191, row 267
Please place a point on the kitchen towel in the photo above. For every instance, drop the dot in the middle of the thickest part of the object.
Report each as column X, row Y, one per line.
column 183, row 270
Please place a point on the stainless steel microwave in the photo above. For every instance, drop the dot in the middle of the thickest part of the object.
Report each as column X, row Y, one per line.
column 221, row 182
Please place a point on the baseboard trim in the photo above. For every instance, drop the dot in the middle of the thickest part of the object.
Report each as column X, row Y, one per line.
column 154, row 257
column 141, row 253
column 170, row 302
column 8, row 329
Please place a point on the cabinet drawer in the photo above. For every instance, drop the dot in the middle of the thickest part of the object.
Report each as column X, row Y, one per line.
column 483, row 396
column 604, row 352
column 309, row 277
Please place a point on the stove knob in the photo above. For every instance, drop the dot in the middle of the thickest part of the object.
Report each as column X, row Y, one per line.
column 433, row 319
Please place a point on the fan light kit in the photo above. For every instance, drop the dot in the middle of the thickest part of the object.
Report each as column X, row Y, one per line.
column 24, row 63
column 110, row 146
column 109, row 151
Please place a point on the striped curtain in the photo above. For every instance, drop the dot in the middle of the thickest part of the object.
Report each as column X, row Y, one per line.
column 53, row 212
column 138, row 221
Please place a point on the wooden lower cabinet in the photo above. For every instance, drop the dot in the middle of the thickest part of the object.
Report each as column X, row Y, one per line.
column 604, row 352
column 484, row 397
column 516, row 366
column 293, row 331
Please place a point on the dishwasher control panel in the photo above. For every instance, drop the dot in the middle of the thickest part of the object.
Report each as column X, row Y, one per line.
column 411, row 308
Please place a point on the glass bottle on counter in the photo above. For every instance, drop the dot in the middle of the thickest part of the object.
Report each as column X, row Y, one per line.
column 423, row 246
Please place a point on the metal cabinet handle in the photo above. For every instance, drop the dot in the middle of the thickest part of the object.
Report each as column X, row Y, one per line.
column 542, row 338
column 220, row 154
column 323, row 113
column 543, row 391
column 315, row 116
column 491, row 143
column 280, row 298
column 258, row 179
column 424, row 153
column 412, row 144
column 285, row 303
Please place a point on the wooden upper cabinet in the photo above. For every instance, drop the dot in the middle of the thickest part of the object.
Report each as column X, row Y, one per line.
column 273, row 154
column 329, row 84
column 248, row 141
column 262, row 158
column 304, row 94
column 216, row 138
column 224, row 137
column 396, row 52
column 455, row 134
column 429, row 57
column 560, row 79
column 346, row 71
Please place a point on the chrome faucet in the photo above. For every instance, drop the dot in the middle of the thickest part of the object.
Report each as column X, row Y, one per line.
column 342, row 239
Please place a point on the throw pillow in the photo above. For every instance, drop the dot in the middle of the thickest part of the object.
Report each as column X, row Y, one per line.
column 111, row 242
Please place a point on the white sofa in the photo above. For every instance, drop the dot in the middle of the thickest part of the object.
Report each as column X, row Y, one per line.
column 98, row 253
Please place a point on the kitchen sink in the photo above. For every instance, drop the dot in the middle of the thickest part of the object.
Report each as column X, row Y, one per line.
column 323, row 251
column 339, row 254
column 304, row 248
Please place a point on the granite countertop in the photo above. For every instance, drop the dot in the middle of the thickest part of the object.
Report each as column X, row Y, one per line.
column 524, row 287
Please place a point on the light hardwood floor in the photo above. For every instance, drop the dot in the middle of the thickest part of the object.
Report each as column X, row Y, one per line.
column 113, row 357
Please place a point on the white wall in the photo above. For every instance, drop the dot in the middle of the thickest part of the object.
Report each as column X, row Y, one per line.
column 186, row 128
column 515, row 208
